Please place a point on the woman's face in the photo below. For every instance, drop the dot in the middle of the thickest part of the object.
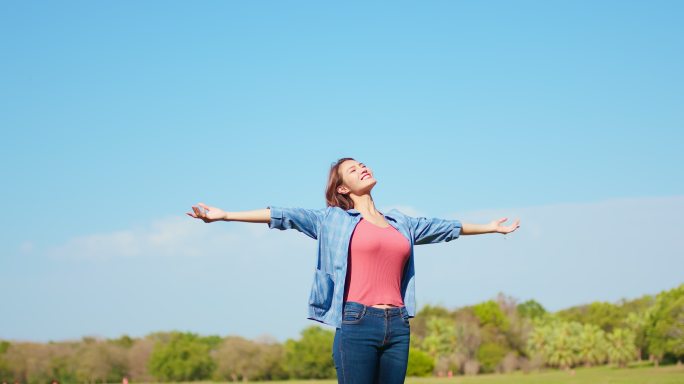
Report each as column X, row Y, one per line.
column 356, row 178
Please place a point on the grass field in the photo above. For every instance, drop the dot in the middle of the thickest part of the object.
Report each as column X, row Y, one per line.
column 600, row 375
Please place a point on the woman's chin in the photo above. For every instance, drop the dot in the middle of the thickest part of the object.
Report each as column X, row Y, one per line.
column 371, row 185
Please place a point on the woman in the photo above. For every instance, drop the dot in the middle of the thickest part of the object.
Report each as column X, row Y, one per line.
column 364, row 280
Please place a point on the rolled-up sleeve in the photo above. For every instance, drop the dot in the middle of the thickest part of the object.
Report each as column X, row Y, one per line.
column 304, row 220
column 434, row 230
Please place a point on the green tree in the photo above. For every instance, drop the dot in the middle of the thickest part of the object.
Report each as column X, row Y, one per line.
column 540, row 340
column 123, row 341
column 419, row 363
column 564, row 344
column 311, row 357
column 440, row 338
column 636, row 322
column 531, row 309
column 621, row 348
column 489, row 313
column 490, row 355
column 5, row 371
column 592, row 345
column 419, row 323
column 563, row 351
column 183, row 357
column 665, row 325
column 433, row 311
column 605, row 315
column 63, row 363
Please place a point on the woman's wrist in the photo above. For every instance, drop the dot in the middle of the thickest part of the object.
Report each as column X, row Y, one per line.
column 493, row 227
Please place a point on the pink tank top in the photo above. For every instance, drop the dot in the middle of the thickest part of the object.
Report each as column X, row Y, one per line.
column 376, row 264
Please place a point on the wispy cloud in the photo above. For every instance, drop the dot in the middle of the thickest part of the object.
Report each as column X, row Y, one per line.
column 26, row 247
column 171, row 236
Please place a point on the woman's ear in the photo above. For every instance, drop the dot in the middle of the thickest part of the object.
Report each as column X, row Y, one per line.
column 342, row 190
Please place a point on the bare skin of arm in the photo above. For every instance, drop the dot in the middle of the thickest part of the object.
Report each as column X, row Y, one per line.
column 495, row 226
column 210, row 214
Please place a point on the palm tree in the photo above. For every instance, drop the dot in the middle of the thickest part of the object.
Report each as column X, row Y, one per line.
column 565, row 347
column 592, row 345
column 621, row 348
column 539, row 341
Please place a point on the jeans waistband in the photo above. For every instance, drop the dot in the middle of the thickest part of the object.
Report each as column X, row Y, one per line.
column 373, row 311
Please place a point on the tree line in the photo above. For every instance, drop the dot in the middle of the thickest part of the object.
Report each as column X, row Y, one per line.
column 499, row 335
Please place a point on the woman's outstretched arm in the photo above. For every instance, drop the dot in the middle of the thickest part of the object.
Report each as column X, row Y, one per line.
column 436, row 230
column 210, row 214
column 307, row 221
column 493, row 227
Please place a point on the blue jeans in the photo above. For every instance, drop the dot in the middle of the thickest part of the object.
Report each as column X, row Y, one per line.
column 372, row 345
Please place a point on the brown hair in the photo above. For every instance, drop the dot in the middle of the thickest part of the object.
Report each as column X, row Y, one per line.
column 332, row 197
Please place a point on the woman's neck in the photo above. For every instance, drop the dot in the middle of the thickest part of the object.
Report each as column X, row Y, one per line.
column 365, row 205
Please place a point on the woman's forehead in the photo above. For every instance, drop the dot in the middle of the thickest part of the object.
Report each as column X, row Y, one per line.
column 348, row 164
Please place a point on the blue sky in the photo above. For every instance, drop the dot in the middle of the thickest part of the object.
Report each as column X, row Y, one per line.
column 117, row 117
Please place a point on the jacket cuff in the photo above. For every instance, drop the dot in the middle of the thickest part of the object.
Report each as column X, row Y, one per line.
column 276, row 218
column 456, row 231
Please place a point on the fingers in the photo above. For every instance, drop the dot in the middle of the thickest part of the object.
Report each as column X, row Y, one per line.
column 204, row 206
column 513, row 227
column 508, row 228
column 199, row 214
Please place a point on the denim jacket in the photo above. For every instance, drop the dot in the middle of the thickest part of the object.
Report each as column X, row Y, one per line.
column 333, row 228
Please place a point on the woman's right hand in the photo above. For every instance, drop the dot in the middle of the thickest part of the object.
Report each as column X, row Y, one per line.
column 206, row 213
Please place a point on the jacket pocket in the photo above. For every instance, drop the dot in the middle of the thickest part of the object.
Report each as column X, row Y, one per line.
column 322, row 290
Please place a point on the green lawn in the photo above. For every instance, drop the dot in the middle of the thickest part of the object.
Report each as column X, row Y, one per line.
column 600, row 375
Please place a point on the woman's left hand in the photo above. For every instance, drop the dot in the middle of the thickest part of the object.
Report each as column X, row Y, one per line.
column 499, row 228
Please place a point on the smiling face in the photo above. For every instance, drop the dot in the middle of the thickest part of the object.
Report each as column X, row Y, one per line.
column 356, row 178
